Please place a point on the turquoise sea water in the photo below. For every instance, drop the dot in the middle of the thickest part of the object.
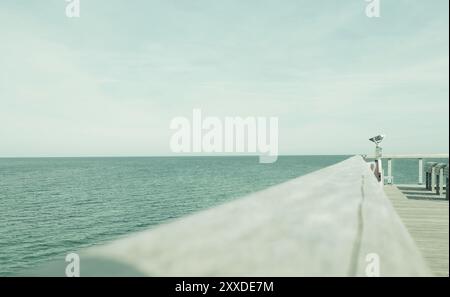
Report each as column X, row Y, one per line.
column 52, row 206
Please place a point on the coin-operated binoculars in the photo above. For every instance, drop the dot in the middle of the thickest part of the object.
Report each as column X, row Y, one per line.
column 378, row 154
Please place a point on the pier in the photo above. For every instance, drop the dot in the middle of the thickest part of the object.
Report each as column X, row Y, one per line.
column 426, row 217
column 338, row 221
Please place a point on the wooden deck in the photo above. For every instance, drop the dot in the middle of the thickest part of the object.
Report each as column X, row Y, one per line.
column 426, row 217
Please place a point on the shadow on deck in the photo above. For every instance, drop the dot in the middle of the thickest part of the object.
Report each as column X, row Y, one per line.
column 414, row 192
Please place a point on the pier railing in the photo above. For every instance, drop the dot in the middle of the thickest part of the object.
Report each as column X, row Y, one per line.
column 334, row 222
column 419, row 157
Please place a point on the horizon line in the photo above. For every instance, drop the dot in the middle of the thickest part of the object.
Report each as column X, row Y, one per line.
column 193, row 156
column 166, row 156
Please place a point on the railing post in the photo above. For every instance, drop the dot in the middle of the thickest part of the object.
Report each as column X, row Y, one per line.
column 433, row 178
column 420, row 171
column 446, row 182
column 441, row 181
column 390, row 167
column 440, row 178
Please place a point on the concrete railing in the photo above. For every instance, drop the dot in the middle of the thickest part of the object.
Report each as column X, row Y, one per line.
column 334, row 222
column 419, row 157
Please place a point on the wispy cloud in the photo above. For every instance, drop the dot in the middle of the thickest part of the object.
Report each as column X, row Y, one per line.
column 109, row 82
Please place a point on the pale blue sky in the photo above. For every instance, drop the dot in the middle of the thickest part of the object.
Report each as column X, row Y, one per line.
column 109, row 82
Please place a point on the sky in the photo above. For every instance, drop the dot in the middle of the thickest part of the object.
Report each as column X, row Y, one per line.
column 110, row 82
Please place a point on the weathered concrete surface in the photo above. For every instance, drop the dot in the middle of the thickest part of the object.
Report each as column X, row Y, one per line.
column 426, row 216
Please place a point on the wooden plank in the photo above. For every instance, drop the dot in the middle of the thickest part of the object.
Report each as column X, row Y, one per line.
column 426, row 216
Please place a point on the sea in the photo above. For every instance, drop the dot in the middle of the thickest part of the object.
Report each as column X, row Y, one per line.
column 52, row 206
